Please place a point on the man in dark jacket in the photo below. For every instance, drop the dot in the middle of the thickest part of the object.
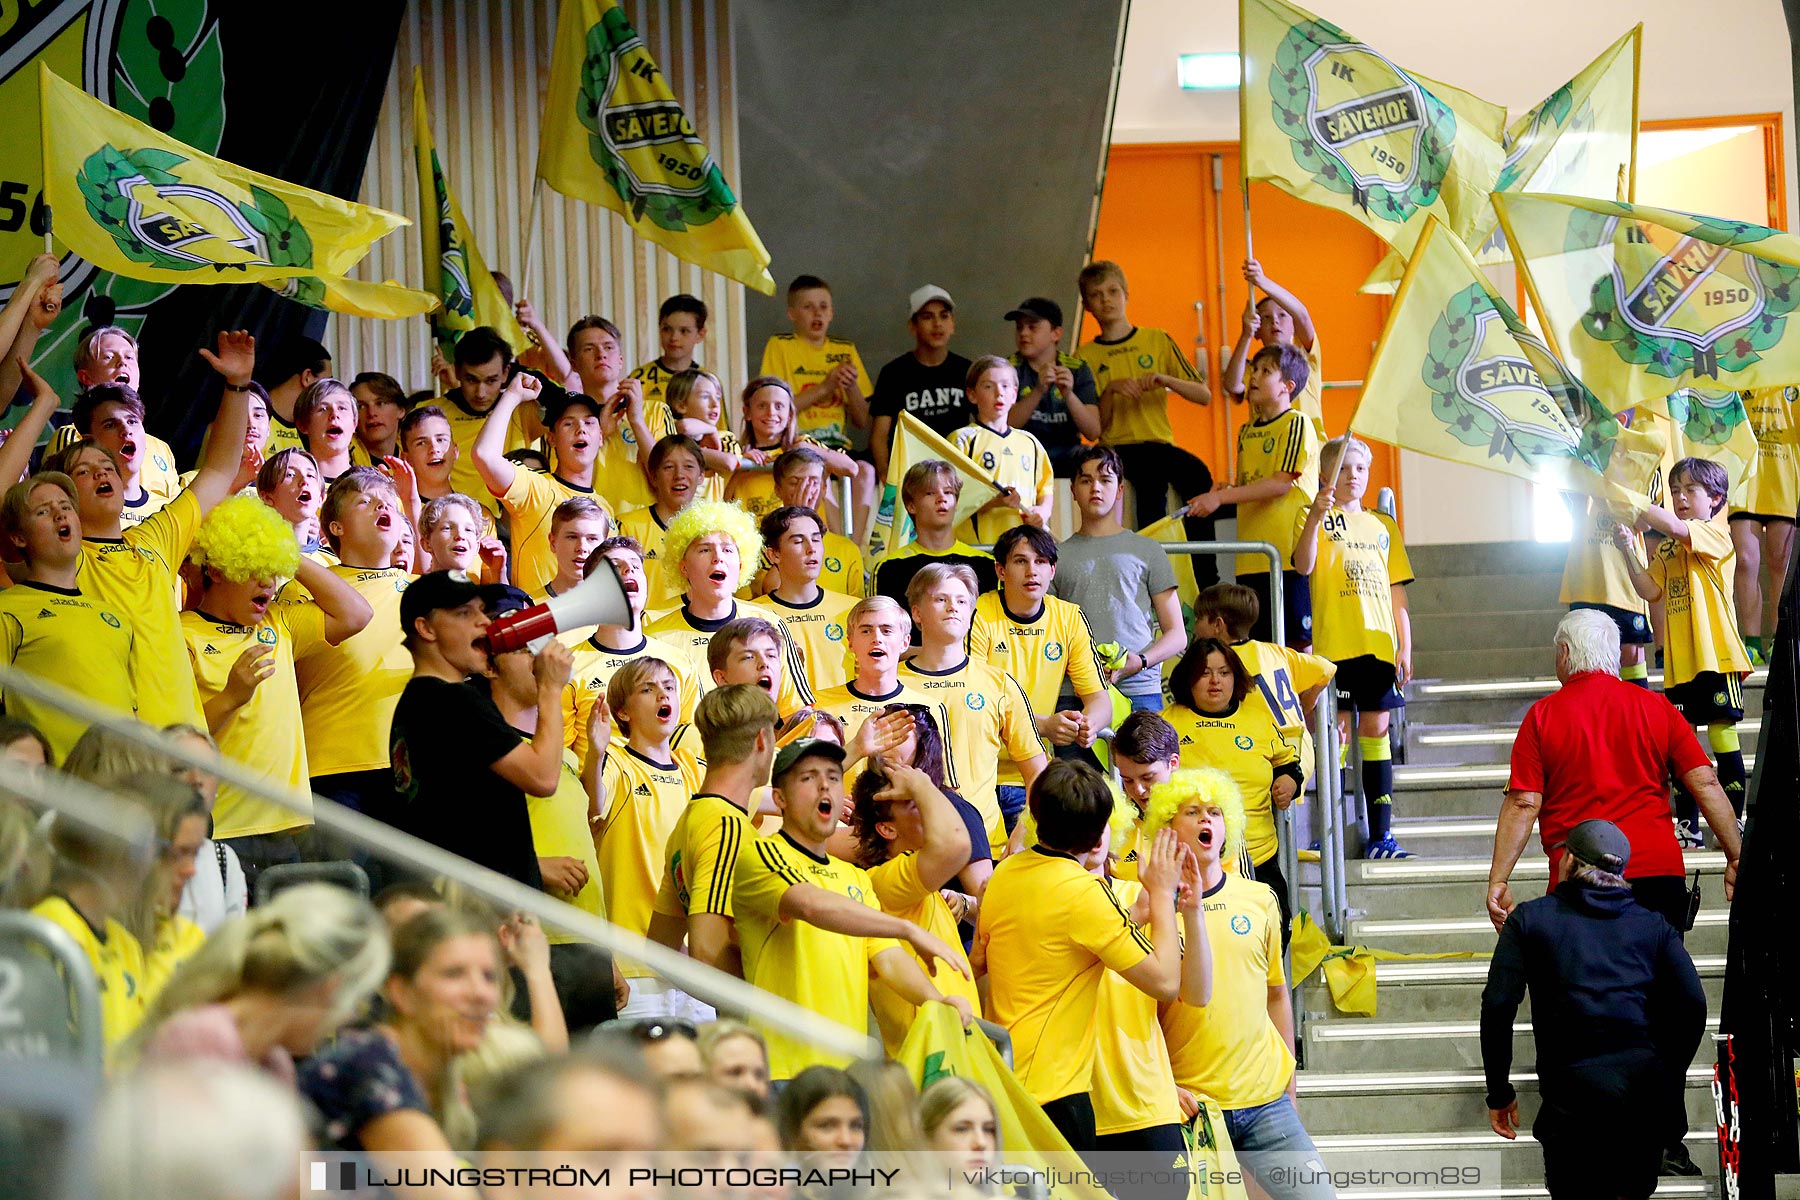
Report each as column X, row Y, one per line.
column 1616, row 1012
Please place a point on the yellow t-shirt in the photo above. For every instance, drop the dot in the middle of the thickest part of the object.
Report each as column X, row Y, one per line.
column 348, row 691
column 824, row 972
column 1133, row 1085
column 139, row 575
column 1360, row 559
column 663, row 585
column 1700, row 630
column 790, row 357
column 1049, row 931
column 983, row 716
column 853, row 707
column 645, row 800
column 119, row 968
column 158, row 472
column 1595, row 572
column 560, row 829
column 148, row 503
column 700, row 861
column 70, row 640
column 594, row 668
column 841, row 572
column 1039, row 651
column 1141, row 352
column 1246, row 745
column 1282, row 675
column 531, row 500
column 819, row 626
column 617, row 473
column 1229, row 1051
column 177, row 940
column 1285, row 444
column 284, row 436
column 1775, row 488
column 681, row 628
column 902, row 892
column 267, row 735
column 1014, row 459
column 465, row 427
column 655, row 378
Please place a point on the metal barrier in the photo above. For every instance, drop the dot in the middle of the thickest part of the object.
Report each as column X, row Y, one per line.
column 696, row 978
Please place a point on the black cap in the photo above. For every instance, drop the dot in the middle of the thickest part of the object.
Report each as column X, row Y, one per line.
column 1038, row 307
column 557, row 403
column 504, row 598
column 801, row 748
column 449, row 589
column 1599, row 844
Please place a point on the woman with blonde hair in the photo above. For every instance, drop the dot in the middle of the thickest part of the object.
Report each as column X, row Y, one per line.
column 736, row 1056
column 959, row 1120
column 771, row 427
column 270, row 985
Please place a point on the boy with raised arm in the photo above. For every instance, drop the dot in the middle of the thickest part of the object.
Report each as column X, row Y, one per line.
column 629, row 424
column 484, row 367
column 1278, row 319
column 795, row 537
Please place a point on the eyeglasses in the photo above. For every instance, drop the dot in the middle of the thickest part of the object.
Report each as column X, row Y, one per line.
column 652, row 1031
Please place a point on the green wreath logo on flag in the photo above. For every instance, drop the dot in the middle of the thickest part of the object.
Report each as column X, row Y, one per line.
column 1684, row 303
column 111, row 181
column 1707, row 417
column 1547, row 120
column 1360, row 125
column 453, row 258
column 640, row 137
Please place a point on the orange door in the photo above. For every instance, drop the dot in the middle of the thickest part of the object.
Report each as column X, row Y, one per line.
column 1160, row 220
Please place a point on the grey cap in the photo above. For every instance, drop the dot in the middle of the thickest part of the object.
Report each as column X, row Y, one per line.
column 1599, row 844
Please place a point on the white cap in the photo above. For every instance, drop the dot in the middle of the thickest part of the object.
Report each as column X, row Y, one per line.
column 926, row 295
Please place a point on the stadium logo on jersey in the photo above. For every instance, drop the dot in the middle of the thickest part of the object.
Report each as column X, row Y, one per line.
column 1242, row 742
column 1360, row 124
column 110, row 619
column 1240, row 925
column 1053, row 651
column 1677, row 303
column 975, row 700
column 834, row 565
column 1146, row 361
column 855, row 893
column 834, row 632
column 265, row 635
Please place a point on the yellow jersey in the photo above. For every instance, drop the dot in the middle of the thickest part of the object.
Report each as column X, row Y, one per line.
column 267, row 735
column 753, row 488
column 1360, row 559
column 1774, row 490
column 1285, row 444
column 1039, row 651
column 148, row 502
column 71, row 640
column 1595, row 572
column 595, row 666
column 1246, row 745
column 1049, row 931
column 853, row 707
column 158, row 473
column 793, row 358
column 177, row 940
column 902, row 893
column 348, row 691
column 139, row 575
column 1013, row 459
column 662, row 584
column 1282, row 675
column 1141, row 352
column 655, row 378
column 119, row 968
column 644, row 801
column 819, row 627
column 560, row 829
column 824, row 972
column 700, row 860
column 465, row 427
column 531, row 500
column 1700, row 628
column 284, row 436
column 1230, row 1051
column 618, row 475
column 1133, row 1085
column 983, row 716
column 842, row 570
column 682, row 628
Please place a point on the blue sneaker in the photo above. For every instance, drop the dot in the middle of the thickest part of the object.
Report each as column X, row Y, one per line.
column 1385, row 848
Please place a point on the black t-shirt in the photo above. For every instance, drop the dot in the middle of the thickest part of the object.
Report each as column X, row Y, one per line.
column 895, row 575
column 446, row 738
column 977, row 826
column 932, row 394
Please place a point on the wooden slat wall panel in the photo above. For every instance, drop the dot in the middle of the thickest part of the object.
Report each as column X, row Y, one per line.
column 486, row 65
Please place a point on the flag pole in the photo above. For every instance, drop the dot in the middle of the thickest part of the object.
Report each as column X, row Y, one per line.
column 537, row 194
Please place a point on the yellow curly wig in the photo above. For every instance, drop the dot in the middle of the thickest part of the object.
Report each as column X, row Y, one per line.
column 244, row 539
column 713, row 516
column 1209, row 785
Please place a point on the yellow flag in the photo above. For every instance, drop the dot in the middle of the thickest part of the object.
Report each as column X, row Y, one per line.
column 1581, row 140
column 614, row 135
column 1171, row 529
column 1643, row 301
column 1458, row 376
column 453, row 266
column 140, row 204
column 915, row 442
column 1713, row 424
column 1333, row 122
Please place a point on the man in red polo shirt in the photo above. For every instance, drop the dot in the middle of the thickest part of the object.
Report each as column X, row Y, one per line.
column 1601, row 748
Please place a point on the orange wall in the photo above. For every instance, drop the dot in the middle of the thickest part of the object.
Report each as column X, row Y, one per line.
column 1158, row 220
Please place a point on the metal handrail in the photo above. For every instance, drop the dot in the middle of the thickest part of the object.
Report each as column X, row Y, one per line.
column 694, row 977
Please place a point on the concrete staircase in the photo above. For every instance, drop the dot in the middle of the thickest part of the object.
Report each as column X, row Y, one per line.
column 1403, row 1092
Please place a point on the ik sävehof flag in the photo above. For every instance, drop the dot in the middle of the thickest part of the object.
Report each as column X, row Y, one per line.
column 915, row 442
column 1581, row 140
column 1335, row 123
column 140, row 204
column 1643, row 301
column 1718, row 425
column 614, row 135
column 453, row 266
column 1457, row 375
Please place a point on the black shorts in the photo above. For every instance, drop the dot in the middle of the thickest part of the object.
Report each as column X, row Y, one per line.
column 1368, row 683
column 1634, row 628
column 1709, row 698
column 1296, row 607
column 1763, row 518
